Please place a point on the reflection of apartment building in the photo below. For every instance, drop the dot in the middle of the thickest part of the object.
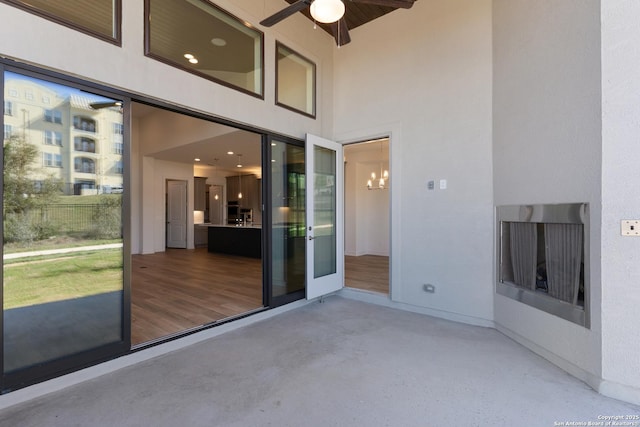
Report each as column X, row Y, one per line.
column 78, row 144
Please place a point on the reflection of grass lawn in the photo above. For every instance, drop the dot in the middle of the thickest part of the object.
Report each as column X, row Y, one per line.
column 38, row 280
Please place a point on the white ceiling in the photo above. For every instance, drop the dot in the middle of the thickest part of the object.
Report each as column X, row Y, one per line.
column 212, row 152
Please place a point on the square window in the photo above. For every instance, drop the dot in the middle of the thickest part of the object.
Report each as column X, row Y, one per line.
column 53, row 116
column 201, row 38
column 295, row 81
column 100, row 18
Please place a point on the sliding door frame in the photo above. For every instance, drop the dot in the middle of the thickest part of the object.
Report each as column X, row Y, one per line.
column 73, row 362
column 81, row 360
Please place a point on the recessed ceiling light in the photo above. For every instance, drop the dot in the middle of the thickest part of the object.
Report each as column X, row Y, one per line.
column 189, row 56
column 193, row 60
column 196, row 159
column 230, row 153
column 217, row 41
column 238, row 165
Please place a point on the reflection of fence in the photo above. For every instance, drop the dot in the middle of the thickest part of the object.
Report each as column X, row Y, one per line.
column 65, row 218
column 96, row 220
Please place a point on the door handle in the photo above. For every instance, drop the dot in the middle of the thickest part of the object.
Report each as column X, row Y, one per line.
column 311, row 237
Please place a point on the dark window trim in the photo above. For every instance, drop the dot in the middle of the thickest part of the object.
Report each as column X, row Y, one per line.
column 149, row 54
column 288, row 107
column 32, row 375
column 117, row 40
column 23, row 378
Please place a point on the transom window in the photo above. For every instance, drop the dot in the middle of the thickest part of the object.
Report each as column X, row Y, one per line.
column 99, row 18
column 295, row 81
column 203, row 39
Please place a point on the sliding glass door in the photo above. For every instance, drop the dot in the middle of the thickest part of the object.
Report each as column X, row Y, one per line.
column 287, row 218
column 62, row 199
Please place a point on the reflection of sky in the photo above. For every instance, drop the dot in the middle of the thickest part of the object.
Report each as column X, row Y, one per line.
column 61, row 90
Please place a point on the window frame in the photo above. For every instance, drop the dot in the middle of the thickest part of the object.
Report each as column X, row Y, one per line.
column 52, row 115
column 8, row 111
column 148, row 53
column 314, row 92
column 51, row 138
column 117, row 18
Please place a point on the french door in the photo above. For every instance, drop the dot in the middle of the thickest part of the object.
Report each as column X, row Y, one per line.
column 325, row 216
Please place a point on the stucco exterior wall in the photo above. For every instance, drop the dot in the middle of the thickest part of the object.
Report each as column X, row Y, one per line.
column 620, row 199
column 427, row 84
column 546, row 148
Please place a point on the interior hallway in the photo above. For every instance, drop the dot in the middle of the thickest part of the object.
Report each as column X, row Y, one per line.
column 339, row 363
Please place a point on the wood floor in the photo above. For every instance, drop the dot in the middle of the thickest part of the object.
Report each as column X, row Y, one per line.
column 180, row 289
column 368, row 272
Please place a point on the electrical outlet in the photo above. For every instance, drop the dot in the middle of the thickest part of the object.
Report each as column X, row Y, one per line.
column 630, row 227
column 428, row 287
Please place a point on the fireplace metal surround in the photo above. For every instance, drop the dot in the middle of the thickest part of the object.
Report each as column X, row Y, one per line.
column 536, row 295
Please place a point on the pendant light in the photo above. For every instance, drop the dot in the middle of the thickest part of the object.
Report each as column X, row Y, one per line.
column 239, row 165
column 327, row 11
column 384, row 176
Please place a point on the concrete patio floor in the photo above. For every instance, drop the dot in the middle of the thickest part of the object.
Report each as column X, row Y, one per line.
column 337, row 363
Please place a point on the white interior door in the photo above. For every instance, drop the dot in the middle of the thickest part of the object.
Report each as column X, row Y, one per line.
column 176, row 214
column 325, row 216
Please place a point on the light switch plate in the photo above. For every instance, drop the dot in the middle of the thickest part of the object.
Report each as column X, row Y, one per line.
column 630, row 227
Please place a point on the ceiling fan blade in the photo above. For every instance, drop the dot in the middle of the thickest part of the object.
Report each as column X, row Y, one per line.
column 404, row 4
column 285, row 13
column 341, row 32
column 106, row 104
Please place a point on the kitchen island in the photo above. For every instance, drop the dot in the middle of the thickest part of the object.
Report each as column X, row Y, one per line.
column 235, row 240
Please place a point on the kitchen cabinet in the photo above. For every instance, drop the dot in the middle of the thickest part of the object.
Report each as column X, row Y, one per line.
column 200, row 236
column 250, row 186
column 199, row 193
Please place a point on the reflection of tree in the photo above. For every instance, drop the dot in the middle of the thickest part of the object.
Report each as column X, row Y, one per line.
column 20, row 192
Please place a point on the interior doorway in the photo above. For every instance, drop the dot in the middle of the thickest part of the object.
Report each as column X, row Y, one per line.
column 176, row 213
column 368, row 181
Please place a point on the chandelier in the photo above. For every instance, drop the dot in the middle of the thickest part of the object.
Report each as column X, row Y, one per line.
column 375, row 183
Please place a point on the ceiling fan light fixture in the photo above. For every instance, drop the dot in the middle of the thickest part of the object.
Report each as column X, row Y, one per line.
column 327, row 11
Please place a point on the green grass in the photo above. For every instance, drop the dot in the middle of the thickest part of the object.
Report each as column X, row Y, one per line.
column 31, row 281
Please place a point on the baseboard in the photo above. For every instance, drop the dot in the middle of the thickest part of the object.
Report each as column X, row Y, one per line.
column 606, row 388
column 384, row 300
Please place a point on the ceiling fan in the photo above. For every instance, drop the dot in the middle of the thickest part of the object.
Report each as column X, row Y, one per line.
column 331, row 12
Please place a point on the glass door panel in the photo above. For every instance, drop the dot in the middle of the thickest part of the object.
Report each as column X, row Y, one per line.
column 324, row 212
column 62, row 223
column 288, row 218
column 325, row 217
